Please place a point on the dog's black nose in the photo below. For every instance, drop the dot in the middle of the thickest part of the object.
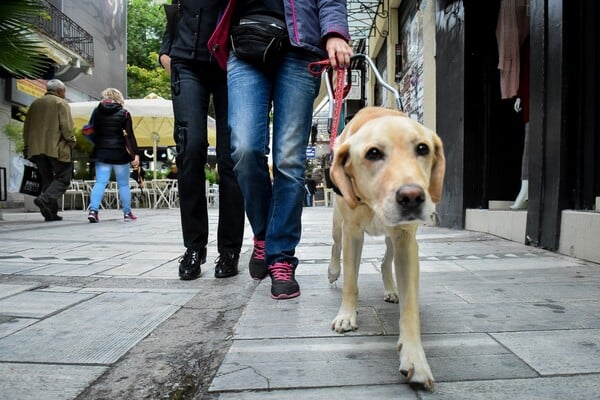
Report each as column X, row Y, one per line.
column 410, row 197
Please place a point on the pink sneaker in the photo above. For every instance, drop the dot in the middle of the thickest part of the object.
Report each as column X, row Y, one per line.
column 129, row 217
column 283, row 281
column 257, row 266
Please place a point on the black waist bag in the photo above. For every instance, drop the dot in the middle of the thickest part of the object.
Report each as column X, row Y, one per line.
column 259, row 39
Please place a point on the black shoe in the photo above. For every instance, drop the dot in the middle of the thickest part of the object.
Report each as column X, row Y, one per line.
column 189, row 264
column 227, row 265
column 55, row 217
column 44, row 208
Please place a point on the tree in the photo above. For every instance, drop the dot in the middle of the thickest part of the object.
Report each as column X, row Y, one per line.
column 142, row 81
column 20, row 54
column 145, row 26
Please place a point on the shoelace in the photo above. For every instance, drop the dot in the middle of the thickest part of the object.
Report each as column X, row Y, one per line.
column 190, row 256
column 281, row 271
column 259, row 249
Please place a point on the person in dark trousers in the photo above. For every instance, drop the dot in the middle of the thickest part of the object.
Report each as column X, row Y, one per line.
column 310, row 185
column 49, row 139
column 195, row 77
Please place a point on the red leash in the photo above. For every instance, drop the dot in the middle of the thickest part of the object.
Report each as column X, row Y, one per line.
column 340, row 91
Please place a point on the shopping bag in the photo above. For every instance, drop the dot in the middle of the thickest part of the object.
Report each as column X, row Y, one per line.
column 32, row 181
column 17, row 167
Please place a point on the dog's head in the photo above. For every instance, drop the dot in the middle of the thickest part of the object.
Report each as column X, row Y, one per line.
column 391, row 163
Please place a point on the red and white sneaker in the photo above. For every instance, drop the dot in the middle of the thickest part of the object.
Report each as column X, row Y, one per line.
column 129, row 217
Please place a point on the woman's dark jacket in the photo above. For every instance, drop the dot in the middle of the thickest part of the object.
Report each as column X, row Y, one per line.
column 109, row 120
column 198, row 20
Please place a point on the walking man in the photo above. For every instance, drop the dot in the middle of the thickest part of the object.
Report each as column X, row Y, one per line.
column 49, row 140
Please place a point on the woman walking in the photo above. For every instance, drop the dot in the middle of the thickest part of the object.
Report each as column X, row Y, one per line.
column 112, row 123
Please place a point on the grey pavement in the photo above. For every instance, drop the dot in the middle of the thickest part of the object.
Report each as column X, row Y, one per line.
column 96, row 311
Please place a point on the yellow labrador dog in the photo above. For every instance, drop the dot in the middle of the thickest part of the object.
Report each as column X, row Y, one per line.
column 389, row 170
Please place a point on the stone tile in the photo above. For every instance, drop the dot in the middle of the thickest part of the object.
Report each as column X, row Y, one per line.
column 7, row 290
column 130, row 269
column 381, row 392
column 64, row 269
column 310, row 363
column 8, row 268
column 573, row 351
column 48, row 382
column 564, row 387
column 10, row 325
column 39, row 304
column 98, row 331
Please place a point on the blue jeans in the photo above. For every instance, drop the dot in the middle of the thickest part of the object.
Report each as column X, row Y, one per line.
column 102, row 176
column 273, row 207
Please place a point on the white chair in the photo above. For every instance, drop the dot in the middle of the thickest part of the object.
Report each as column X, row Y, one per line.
column 174, row 194
column 76, row 189
column 139, row 194
column 111, row 196
column 161, row 192
column 212, row 195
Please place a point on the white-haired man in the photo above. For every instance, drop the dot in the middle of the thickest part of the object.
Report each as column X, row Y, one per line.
column 49, row 140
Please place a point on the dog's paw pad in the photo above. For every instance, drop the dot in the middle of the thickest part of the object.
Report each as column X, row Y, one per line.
column 391, row 297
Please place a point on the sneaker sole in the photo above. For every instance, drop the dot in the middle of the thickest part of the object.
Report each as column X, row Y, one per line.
column 284, row 296
column 92, row 220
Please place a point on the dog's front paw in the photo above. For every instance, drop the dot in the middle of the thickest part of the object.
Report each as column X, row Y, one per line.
column 344, row 323
column 333, row 272
column 391, row 297
column 414, row 365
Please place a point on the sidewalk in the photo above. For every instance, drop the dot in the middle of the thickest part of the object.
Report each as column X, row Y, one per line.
column 97, row 312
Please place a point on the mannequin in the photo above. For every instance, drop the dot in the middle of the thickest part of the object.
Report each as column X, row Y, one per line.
column 512, row 34
column 523, row 196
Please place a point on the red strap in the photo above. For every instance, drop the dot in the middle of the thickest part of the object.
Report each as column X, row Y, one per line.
column 340, row 91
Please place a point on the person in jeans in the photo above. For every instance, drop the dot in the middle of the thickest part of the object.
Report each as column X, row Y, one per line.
column 317, row 29
column 110, row 154
column 195, row 78
column 49, row 139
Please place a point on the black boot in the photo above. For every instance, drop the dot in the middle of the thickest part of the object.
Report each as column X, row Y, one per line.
column 189, row 264
column 227, row 265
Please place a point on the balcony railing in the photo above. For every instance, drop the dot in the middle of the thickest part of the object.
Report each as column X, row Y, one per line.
column 64, row 30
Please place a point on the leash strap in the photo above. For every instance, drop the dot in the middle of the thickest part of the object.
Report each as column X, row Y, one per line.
column 340, row 91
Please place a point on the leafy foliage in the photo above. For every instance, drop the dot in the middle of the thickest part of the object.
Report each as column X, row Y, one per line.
column 142, row 81
column 20, row 53
column 14, row 132
column 145, row 27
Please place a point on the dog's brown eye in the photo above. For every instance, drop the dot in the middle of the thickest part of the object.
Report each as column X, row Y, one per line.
column 422, row 149
column 374, row 154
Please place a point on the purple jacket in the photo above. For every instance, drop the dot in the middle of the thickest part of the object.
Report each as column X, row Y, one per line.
column 309, row 23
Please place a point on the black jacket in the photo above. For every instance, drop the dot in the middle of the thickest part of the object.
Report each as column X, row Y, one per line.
column 197, row 21
column 109, row 120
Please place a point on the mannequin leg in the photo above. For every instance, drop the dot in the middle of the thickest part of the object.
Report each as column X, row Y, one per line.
column 521, row 201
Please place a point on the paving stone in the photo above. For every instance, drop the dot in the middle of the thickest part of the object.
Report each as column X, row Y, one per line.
column 575, row 351
column 268, row 364
column 38, row 304
column 381, row 392
column 98, row 331
column 564, row 387
column 45, row 381
column 7, row 290
column 10, row 325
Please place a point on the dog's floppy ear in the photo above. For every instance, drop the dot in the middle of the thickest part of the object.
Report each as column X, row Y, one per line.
column 438, row 170
column 340, row 178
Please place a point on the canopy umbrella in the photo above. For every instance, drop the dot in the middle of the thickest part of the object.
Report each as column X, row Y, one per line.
column 152, row 119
